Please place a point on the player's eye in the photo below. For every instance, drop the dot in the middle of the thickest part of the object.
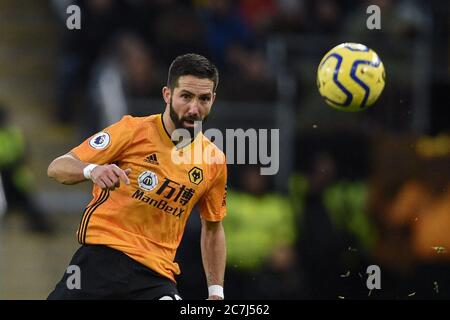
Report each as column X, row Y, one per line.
column 205, row 98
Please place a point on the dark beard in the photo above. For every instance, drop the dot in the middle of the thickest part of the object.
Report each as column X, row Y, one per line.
column 179, row 122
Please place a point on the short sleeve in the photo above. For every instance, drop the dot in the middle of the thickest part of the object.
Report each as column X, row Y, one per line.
column 213, row 205
column 106, row 146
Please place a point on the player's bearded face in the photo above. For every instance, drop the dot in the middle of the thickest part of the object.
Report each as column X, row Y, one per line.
column 190, row 103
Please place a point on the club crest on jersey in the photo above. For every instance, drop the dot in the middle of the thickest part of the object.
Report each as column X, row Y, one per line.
column 196, row 175
column 100, row 141
column 148, row 180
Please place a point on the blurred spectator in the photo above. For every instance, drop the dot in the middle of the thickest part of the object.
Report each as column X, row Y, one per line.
column 319, row 243
column 425, row 197
column 16, row 179
column 411, row 201
column 259, row 15
column 178, row 30
column 250, row 81
column 291, row 16
column 225, row 29
column 122, row 77
column 412, row 18
column 260, row 232
column 79, row 52
column 327, row 16
column 335, row 234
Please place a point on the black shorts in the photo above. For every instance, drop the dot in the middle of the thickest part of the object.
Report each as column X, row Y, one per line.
column 100, row 272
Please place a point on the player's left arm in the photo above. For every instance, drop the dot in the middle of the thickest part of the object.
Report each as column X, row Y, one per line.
column 213, row 210
column 213, row 246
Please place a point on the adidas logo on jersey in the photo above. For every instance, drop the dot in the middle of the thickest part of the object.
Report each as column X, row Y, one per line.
column 152, row 159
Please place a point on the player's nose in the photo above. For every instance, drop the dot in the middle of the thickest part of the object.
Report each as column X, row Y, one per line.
column 194, row 109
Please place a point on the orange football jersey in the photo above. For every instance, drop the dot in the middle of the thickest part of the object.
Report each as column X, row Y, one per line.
column 146, row 219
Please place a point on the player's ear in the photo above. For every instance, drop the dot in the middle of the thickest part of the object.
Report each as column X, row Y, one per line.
column 166, row 94
column 213, row 97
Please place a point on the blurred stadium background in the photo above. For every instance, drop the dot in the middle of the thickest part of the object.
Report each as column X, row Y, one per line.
column 353, row 189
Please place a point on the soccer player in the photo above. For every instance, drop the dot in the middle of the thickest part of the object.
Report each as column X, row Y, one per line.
column 142, row 198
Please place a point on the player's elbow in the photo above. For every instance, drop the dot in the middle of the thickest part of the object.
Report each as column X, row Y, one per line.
column 54, row 172
column 51, row 170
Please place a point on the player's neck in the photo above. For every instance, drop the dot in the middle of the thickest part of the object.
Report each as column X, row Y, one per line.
column 168, row 123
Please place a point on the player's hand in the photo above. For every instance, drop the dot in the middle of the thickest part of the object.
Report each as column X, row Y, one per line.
column 214, row 298
column 108, row 176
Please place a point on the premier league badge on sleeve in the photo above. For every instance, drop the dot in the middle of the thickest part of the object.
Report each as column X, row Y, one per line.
column 100, row 141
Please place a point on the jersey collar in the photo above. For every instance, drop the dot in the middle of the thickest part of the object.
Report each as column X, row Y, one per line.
column 165, row 136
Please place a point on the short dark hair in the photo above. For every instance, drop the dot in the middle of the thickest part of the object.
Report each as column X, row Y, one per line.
column 194, row 65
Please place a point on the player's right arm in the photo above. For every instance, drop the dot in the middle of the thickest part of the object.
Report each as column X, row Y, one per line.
column 69, row 169
column 92, row 159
